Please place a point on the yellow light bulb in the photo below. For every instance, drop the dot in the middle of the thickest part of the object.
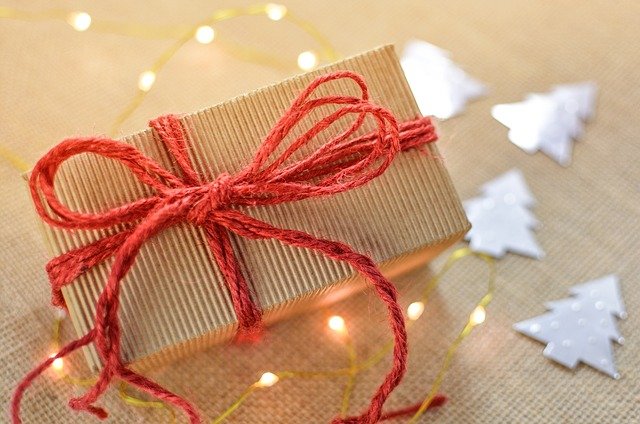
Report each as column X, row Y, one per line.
column 58, row 363
column 336, row 323
column 205, row 34
column 268, row 379
column 307, row 60
column 80, row 21
column 275, row 12
column 415, row 310
column 146, row 80
column 477, row 316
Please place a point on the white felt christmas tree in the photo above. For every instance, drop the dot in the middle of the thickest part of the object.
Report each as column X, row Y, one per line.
column 549, row 122
column 501, row 220
column 439, row 86
column 581, row 328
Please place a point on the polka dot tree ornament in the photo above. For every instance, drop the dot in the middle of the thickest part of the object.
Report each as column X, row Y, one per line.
column 580, row 329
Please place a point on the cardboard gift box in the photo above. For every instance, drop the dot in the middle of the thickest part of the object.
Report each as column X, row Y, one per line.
column 174, row 299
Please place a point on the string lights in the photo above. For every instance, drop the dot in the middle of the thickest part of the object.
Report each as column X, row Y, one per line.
column 58, row 363
column 307, row 60
column 80, row 21
column 478, row 316
column 275, row 12
column 415, row 310
column 203, row 32
column 268, row 379
column 146, row 80
column 338, row 325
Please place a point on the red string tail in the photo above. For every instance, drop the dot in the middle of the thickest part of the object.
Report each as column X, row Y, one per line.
column 345, row 162
column 249, row 227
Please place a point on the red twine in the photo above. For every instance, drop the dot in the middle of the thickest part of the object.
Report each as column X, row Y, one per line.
column 341, row 164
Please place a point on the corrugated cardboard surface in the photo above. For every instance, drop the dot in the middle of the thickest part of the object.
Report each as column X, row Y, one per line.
column 175, row 293
column 55, row 82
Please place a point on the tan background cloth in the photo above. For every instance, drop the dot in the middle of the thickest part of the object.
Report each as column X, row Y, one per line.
column 55, row 82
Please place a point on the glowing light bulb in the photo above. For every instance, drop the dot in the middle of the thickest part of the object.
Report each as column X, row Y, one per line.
column 415, row 310
column 275, row 12
column 80, row 21
column 477, row 316
column 58, row 363
column 268, row 379
column 336, row 323
column 60, row 313
column 205, row 34
column 307, row 60
column 146, row 80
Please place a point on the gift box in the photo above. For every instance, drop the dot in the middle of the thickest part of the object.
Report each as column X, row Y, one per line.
column 174, row 299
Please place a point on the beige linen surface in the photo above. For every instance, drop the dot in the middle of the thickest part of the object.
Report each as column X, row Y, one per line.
column 55, row 82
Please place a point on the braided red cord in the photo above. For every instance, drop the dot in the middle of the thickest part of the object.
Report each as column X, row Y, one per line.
column 343, row 163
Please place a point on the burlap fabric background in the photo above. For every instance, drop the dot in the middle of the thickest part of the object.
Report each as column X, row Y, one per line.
column 55, row 82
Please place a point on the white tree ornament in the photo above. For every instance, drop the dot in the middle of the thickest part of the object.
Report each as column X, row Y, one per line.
column 581, row 328
column 500, row 218
column 439, row 86
column 549, row 122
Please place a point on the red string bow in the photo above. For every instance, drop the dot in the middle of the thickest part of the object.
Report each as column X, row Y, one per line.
column 342, row 163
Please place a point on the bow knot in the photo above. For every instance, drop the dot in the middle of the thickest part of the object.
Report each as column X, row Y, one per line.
column 344, row 162
column 208, row 198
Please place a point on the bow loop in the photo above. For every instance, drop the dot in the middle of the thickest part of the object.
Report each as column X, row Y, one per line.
column 301, row 107
column 342, row 162
column 55, row 213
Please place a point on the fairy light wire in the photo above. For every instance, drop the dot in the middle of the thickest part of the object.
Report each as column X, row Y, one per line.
column 141, row 403
column 236, row 404
column 353, row 372
column 14, row 160
column 338, row 325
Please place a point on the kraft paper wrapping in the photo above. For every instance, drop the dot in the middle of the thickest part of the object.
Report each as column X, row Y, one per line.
column 174, row 300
